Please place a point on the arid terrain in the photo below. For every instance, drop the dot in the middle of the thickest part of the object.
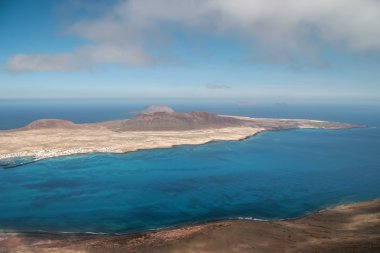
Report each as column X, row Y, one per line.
column 345, row 228
column 153, row 128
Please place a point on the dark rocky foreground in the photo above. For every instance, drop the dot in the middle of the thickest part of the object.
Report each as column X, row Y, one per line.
column 346, row 229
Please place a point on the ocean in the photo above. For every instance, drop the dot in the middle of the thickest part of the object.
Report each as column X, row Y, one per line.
column 274, row 175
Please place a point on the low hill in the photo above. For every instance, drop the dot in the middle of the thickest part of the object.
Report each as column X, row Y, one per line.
column 152, row 118
column 50, row 123
column 174, row 121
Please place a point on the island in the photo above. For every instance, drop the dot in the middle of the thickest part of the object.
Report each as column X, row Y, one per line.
column 154, row 127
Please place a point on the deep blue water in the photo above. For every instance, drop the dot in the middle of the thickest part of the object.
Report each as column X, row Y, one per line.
column 273, row 175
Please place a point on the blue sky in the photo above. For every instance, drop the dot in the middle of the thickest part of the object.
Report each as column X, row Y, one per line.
column 218, row 49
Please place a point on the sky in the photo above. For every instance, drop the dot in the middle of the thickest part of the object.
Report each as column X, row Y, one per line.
column 247, row 50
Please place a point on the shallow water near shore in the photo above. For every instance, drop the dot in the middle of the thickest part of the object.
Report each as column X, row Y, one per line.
column 274, row 175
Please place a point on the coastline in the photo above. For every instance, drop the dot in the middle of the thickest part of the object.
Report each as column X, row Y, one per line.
column 204, row 136
column 351, row 227
column 195, row 223
column 56, row 142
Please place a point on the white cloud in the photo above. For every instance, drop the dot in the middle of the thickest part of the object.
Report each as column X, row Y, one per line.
column 277, row 30
column 40, row 62
column 216, row 86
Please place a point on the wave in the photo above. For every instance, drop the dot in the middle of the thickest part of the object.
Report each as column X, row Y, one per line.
column 137, row 231
column 9, row 163
column 249, row 218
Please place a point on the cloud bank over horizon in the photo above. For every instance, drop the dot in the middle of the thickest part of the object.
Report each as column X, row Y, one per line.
column 133, row 32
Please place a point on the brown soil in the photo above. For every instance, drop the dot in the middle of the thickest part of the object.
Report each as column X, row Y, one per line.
column 346, row 228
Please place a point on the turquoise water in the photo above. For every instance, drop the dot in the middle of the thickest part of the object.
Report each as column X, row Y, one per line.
column 274, row 175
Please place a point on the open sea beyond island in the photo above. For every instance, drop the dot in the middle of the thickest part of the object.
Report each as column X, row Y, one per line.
column 274, row 175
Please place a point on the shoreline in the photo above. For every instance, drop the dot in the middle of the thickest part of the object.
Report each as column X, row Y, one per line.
column 62, row 153
column 137, row 150
column 355, row 223
column 49, row 138
column 194, row 137
column 190, row 224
